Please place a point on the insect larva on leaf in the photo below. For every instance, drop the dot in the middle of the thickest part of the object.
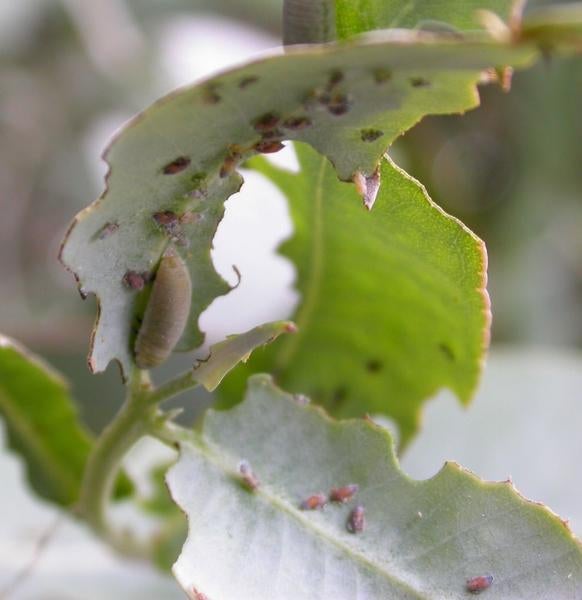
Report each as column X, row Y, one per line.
column 166, row 312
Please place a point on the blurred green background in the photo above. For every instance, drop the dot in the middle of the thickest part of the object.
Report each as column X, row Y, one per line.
column 71, row 71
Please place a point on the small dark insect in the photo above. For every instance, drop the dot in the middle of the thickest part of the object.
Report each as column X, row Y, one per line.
column 382, row 75
column 343, row 494
column 370, row 135
column 135, row 281
column 246, row 81
column 338, row 104
column 176, row 166
column 107, row 230
column 357, row 520
column 210, row 95
column 314, row 502
column 419, row 82
column 249, row 478
column 268, row 146
column 297, row 123
column 266, row 122
column 476, row 585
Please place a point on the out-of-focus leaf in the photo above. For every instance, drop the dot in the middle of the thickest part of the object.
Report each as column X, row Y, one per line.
column 356, row 16
column 357, row 99
column 421, row 539
column 394, row 301
column 546, row 25
column 42, row 426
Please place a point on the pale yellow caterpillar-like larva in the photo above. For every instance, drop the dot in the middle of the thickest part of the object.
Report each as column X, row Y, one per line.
column 166, row 313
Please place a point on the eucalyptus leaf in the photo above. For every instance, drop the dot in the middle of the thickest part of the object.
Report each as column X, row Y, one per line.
column 420, row 539
column 42, row 426
column 394, row 301
column 179, row 157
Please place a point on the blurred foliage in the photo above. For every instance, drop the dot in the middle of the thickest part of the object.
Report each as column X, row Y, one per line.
column 509, row 170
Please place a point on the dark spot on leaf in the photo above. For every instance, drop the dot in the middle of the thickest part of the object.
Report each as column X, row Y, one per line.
column 357, row 520
column 266, row 122
column 476, row 585
column 107, row 230
column 167, row 218
column 273, row 134
column 419, row 82
column 210, row 94
column 371, row 135
column 374, row 365
column 382, row 75
column 314, row 502
column 339, row 396
column 297, row 123
column 339, row 104
column 245, row 82
column 447, row 351
column 135, row 281
column 176, row 166
column 335, row 77
column 269, row 147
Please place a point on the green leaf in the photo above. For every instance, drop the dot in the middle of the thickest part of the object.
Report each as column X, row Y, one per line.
column 42, row 425
column 357, row 16
column 170, row 157
column 422, row 539
column 226, row 355
column 394, row 304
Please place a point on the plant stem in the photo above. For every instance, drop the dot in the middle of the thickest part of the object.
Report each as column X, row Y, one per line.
column 131, row 423
column 172, row 388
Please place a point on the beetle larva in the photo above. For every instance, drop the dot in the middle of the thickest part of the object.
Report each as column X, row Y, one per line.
column 166, row 312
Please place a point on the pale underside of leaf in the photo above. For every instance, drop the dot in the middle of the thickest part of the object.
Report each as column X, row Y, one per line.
column 423, row 539
column 170, row 157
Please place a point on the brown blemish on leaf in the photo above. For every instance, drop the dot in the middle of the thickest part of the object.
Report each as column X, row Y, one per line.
column 339, row 104
column 176, row 166
column 314, row 502
column 382, row 75
column 367, row 186
column 190, row 217
column 269, row 147
column 230, row 162
column 210, row 94
column 357, row 520
column 370, row 135
column 247, row 81
column 107, row 230
column 297, row 123
column 335, row 78
column 266, row 122
column 343, row 494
